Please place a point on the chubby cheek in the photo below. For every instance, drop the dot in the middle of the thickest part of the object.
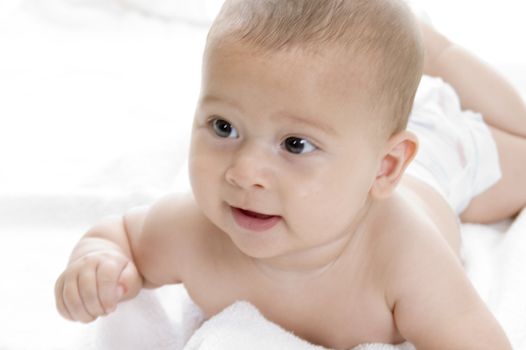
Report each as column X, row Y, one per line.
column 198, row 175
column 327, row 203
column 204, row 176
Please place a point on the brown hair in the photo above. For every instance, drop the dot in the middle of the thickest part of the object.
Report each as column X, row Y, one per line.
column 384, row 32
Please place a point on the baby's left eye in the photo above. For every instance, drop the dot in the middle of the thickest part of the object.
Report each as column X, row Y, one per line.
column 298, row 145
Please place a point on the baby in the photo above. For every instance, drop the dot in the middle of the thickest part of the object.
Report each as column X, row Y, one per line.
column 301, row 203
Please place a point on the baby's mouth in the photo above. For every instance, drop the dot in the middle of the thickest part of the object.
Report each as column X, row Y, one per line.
column 254, row 214
column 254, row 221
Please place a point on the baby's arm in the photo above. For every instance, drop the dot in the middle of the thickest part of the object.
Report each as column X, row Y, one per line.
column 115, row 259
column 480, row 87
column 435, row 305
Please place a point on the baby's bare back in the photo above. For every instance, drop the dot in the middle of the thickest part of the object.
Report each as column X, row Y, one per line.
column 342, row 306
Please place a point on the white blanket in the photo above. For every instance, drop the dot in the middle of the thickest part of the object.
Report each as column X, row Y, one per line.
column 144, row 324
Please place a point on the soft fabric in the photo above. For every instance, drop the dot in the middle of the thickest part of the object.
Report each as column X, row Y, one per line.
column 241, row 324
column 145, row 323
column 457, row 155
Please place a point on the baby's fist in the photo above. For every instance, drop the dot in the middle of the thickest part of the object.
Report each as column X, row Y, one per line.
column 92, row 286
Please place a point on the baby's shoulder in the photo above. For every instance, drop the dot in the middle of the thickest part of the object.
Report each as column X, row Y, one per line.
column 408, row 243
column 175, row 232
column 175, row 216
column 398, row 223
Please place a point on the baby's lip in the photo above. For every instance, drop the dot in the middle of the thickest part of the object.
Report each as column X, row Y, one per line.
column 254, row 221
column 254, row 214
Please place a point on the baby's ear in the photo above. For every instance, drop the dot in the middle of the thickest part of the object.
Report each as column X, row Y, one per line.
column 399, row 151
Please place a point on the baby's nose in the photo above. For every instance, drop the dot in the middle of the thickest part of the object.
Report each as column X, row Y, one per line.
column 250, row 169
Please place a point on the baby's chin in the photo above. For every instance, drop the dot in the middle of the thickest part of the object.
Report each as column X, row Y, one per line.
column 258, row 245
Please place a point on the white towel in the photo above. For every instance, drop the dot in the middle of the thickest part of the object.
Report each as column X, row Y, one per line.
column 241, row 325
column 168, row 320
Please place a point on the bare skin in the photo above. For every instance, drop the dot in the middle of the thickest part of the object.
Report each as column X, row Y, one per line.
column 384, row 268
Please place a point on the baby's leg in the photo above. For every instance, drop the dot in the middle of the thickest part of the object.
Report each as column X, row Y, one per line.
column 508, row 196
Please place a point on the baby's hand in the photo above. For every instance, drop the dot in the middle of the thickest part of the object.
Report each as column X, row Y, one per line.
column 92, row 285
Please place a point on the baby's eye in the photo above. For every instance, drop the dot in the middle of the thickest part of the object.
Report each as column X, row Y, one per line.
column 298, row 145
column 222, row 128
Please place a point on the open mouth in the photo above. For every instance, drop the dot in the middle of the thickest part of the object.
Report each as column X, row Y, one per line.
column 254, row 221
column 255, row 215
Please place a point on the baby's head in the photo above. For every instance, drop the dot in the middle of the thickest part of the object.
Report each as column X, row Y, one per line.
column 302, row 114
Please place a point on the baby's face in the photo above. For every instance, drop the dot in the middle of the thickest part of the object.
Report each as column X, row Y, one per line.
column 281, row 134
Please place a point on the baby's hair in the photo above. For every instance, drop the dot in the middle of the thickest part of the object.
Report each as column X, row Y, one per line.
column 383, row 32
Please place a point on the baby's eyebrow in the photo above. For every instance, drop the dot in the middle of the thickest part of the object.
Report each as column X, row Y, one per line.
column 209, row 98
column 310, row 122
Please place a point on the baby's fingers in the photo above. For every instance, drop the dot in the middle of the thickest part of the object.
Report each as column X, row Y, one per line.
column 59, row 299
column 107, row 277
column 74, row 303
column 87, row 281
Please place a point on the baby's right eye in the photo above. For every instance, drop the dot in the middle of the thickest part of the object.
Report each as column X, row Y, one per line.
column 222, row 128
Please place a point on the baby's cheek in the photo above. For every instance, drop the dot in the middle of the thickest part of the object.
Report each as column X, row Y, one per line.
column 315, row 200
column 334, row 199
column 203, row 188
column 199, row 176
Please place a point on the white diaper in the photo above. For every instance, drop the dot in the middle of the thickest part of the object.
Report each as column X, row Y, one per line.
column 457, row 154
